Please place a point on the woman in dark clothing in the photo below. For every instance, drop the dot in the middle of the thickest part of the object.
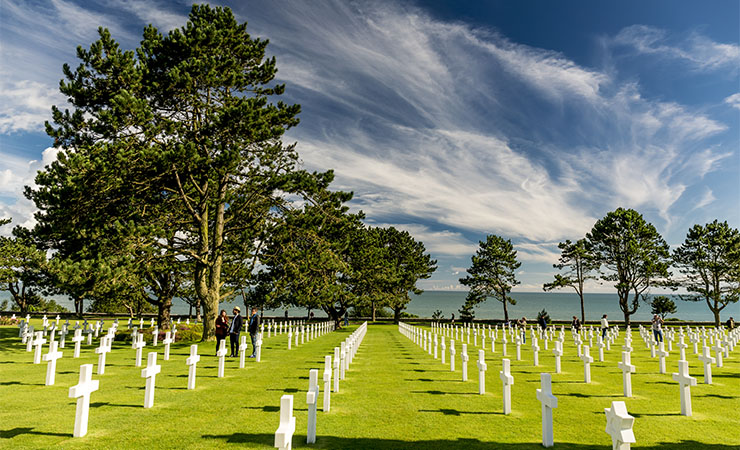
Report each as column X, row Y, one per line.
column 222, row 328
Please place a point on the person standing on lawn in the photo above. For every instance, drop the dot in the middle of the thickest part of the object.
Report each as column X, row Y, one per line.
column 657, row 328
column 222, row 328
column 234, row 330
column 254, row 328
column 604, row 326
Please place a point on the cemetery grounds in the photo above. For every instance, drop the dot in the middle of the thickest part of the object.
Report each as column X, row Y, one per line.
column 395, row 396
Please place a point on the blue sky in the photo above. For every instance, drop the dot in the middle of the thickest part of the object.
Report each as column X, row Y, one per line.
column 452, row 119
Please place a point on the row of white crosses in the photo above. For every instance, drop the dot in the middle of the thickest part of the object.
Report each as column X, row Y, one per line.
column 619, row 423
column 307, row 332
column 342, row 358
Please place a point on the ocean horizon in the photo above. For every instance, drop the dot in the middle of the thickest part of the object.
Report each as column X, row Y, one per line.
column 559, row 305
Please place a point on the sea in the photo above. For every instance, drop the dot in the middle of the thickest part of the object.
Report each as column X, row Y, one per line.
column 559, row 305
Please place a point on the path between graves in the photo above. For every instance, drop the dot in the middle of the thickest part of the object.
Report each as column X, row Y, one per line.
column 392, row 377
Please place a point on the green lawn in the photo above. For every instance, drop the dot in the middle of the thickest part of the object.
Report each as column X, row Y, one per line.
column 394, row 396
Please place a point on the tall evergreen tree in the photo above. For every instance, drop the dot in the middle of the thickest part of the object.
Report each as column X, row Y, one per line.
column 633, row 253
column 709, row 262
column 179, row 134
column 492, row 273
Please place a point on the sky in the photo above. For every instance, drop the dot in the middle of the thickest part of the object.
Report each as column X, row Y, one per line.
column 453, row 119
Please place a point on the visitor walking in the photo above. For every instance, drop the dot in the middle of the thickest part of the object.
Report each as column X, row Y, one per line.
column 222, row 328
column 730, row 323
column 575, row 325
column 657, row 328
column 346, row 318
column 253, row 328
column 542, row 322
column 604, row 326
column 234, row 330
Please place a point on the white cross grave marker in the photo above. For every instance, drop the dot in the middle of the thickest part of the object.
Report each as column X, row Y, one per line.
column 327, row 383
column 284, row 433
column 312, row 399
column 105, row 347
column 619, row 426
column 627, row 369
column 139, row 345
column 464, row 359
column 549, row 401
column 662, row 354
column 336, row 369
column 452, row 355
column 507, row 380
column 167, row 341
column 685, row 382
column 720, row 351
column 258, row 346
column 535, row 352
column 708, row 360
column 81, row 391
column 558, row 352
column 150, row 373
column 242, row 351
column 77, row 339
column 192, row 362
column 38, row 342
column 221, row 353
column 51, row 358
column 587, row 360
column 482, row 367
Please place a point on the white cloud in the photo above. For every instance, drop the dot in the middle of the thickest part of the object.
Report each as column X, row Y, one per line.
column 437, row 243
column 696, row 50
column 733, row 100
column 26, row 105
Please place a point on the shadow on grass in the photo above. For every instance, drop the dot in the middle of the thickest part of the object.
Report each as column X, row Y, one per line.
column 333, row 442
column 455, row 412
column 288, row 390
column 726, row 397
column 116, row 405
column 266, row 408
column 579, row 395
column 9, row 383
column 13, row 432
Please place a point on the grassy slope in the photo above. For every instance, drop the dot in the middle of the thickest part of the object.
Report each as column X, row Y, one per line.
column 395, row 396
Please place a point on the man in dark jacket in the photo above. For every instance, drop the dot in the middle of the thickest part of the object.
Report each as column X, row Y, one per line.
column 254, row 328
column 234, row 329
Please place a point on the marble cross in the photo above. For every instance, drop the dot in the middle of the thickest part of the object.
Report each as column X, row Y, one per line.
column 444, row 350
column 327, row 383
column 587, row 360
column 600, row 345
column 549, row 402
column 81, row 391
column 627, row 369
column 105, row 347
column 290, row 337
column 284, row 433
column 312, row 400
column 452, row 355
column 77, row 339
column 464, row 358
column 221, row 353
column 619, row 425
column 708, row 360
column 167, row 341
column 558, row 352
column 192, row 362
column 518, row 347
column 242, row 351
column 719, row 352
column 535, row 352
column 482, row 367
column 436, row 345
column 51, row 358
column 662, row 354
column 685, row 382
column 335, row 366
column 38, row 342
column 139, row 345
column 150, row 373
column 682, row 346
column 507, row 380
column 155, row 336
column 258, row 348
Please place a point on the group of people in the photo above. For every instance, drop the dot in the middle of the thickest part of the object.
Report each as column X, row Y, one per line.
column 233, row 328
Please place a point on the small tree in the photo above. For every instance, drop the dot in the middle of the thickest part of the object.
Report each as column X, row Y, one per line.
column 467, row 314
column 662, row 306
column 21, row 269
column 492, row 272
column 544, row 314
column 634, row 254
column 709, row 260
column 579, row 264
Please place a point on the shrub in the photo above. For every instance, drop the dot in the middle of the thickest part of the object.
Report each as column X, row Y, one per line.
column 5, row 320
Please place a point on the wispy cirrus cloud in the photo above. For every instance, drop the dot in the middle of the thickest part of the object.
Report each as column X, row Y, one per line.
column 733, row 100
column 696, row 50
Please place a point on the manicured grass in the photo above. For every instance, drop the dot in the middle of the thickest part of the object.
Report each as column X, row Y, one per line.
column 395, row 396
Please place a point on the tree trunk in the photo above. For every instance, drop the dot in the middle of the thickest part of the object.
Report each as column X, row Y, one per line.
column 583, row 311
column 506, row 311
column 716, row 312
column 163, row 315
column 373, row 306
column 397, row 314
